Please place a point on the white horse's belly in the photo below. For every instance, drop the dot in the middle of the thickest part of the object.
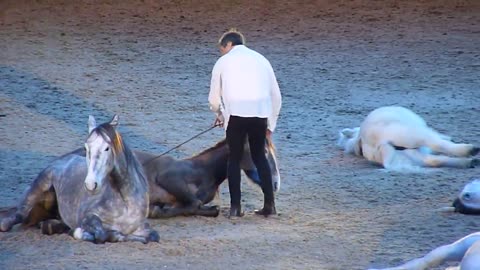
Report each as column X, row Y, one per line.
column 471, row 260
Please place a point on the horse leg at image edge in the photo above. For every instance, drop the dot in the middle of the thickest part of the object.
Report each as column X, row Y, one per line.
column 32, row 198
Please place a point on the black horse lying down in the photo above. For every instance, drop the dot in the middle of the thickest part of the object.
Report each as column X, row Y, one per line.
column 176, row 187
column 99, row 194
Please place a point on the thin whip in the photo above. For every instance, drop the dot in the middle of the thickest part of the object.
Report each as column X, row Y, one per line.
column 168, row 151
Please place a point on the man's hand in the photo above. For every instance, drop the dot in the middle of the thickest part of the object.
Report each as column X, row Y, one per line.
column 219, row 120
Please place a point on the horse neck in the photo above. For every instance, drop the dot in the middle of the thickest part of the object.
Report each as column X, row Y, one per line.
column 127, row 177
column 215, row 160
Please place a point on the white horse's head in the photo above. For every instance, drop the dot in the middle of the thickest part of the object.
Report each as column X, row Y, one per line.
column 349, row 140
column 468, row 201
column 99, row 153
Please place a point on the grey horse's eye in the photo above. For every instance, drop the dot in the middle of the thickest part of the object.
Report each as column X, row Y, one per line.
column 107, row 149
column 466, row 196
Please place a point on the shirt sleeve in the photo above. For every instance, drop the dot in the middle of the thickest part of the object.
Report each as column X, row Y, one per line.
column 276, row 101
column 215, row 95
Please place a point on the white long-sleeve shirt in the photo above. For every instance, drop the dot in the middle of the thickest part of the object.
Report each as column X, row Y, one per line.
column 244, row 84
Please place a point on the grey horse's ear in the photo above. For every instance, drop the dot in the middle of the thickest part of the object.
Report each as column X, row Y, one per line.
column 114, row 121
column 92, row 124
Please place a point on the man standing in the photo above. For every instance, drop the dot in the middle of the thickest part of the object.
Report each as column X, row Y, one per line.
column 245, row 96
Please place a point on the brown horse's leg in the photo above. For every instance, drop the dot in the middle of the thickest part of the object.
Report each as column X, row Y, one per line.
column 37, row 197
column 159, row 212
column 54, row 226
column 177, row 186
column 208, row 211
column 44, row 209
column 167, row 212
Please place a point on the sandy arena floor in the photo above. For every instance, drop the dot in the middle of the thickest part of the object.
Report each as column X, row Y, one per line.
column 150, row 62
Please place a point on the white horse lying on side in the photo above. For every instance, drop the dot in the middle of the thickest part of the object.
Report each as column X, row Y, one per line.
column 399, row 139
column 466, row 250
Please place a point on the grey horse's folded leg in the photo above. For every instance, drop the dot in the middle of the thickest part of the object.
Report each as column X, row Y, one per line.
column 92, row 225
column 144, row 235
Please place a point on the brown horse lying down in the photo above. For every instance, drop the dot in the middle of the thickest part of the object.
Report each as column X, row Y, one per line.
column 183, row 187
column 176, row 187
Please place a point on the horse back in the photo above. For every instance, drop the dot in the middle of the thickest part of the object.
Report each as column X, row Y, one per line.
column 396, row 125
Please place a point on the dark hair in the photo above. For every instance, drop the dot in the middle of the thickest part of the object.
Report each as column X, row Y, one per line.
column 233, row 36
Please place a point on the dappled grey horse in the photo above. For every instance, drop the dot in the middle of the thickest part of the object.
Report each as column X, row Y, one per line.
column 98, row 194
column 183, row 187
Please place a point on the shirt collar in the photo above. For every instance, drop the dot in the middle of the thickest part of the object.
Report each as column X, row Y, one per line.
column 237, row 47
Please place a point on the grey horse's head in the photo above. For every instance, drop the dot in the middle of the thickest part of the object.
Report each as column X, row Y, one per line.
column 102, row 144
column 251, row 172
column 468, row 201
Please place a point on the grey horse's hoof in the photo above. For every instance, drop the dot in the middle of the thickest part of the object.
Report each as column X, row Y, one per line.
column 153, row 237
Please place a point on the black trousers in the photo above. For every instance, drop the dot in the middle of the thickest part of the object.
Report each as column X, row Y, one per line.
column 237, row 130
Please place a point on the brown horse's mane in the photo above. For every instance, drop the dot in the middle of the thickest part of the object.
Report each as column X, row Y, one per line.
column 224, row 141
column 215, row 147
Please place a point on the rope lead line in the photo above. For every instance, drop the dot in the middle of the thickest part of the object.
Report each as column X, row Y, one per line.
column 171, row 149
